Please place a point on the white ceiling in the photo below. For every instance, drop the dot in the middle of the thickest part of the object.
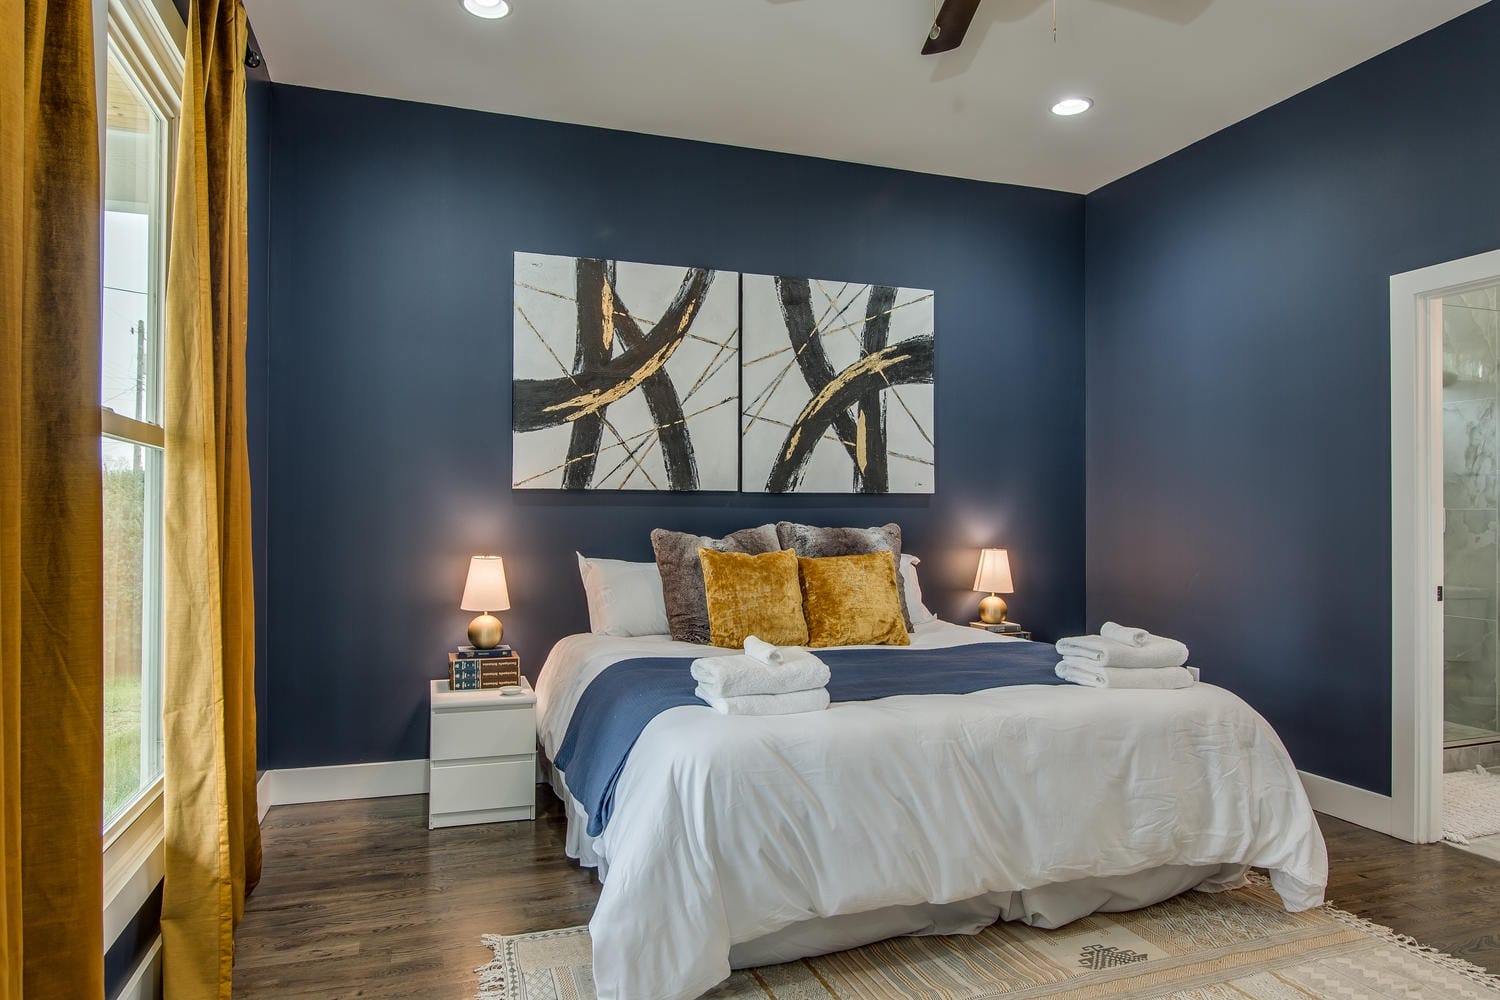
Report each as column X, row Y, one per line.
column 843, row 78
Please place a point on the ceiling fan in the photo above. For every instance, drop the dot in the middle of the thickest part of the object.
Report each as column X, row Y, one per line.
column 952, row 23
column 949, row 27
column 954, row 16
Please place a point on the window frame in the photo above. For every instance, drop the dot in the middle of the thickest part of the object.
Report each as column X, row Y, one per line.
column 149, row 38
column 147, row 435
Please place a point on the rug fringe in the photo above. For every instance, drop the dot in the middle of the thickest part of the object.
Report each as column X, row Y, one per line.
column 492, row 974
column 1461, row 967
column 1406, row 942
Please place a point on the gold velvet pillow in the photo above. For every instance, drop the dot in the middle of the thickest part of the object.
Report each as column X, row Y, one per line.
column 852, row 601
column 753, row 595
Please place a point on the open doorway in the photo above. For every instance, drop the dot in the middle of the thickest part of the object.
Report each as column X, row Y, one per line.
column 1468, row 323
column 1470, row 333
column 1445, row 505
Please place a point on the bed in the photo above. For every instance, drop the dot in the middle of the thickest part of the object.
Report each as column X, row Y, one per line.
column 732, row 842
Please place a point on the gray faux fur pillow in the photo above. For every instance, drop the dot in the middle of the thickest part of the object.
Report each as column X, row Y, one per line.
column 682, row 573
column 813, row 542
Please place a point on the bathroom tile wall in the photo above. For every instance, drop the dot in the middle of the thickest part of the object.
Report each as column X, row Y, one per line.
column 1471, row 489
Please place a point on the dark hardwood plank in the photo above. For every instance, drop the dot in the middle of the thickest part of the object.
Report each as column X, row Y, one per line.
column 1446, row 898
column 360, row 899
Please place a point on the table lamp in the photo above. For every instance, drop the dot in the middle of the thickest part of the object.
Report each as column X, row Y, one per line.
column 485, row 592
column 993, row 576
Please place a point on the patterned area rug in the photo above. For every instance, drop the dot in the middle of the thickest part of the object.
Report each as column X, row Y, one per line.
column 1236, row 945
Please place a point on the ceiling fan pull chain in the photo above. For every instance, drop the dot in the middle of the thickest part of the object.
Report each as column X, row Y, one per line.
column 1054, row 22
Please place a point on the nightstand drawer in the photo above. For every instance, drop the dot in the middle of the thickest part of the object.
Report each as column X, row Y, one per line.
column 503, row 784
column 461, row 734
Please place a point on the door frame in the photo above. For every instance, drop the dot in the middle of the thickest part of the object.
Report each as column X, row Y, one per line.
column 1417, row 538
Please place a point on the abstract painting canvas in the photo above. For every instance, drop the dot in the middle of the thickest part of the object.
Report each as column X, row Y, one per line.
column 626, row 376
column 836, row 387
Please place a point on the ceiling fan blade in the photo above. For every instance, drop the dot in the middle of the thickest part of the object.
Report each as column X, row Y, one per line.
column 952, row 22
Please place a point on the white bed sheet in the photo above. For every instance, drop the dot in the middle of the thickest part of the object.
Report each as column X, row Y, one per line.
column 729, row 830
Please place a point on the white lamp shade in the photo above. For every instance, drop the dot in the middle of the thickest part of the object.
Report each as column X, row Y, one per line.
column 994, row 572
column 485, row 589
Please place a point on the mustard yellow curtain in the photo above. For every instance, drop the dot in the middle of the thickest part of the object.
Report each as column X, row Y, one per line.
column 12, row 289
column 51, row 518
column 213, row 839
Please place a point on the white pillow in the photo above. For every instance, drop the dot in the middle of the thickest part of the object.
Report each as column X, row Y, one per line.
column 624, row 598
column 914, row 606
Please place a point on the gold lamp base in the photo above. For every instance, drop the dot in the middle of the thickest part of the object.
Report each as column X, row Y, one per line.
column 485, row 631
column 992, row 611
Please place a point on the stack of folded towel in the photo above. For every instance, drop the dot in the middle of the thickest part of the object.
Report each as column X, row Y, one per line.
column 763, row 680
column 1121, row 657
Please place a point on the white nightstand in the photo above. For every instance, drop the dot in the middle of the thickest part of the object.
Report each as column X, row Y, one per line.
column 482, row 765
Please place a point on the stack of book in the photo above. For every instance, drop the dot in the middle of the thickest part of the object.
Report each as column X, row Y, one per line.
column 1003, row 628
column 470, row 669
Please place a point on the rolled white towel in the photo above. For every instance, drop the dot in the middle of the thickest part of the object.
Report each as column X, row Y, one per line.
column 758, row 649
column 1090, row 674
column 741, row 674
column 761, row 650
column 794, row 703
column 1157, row 652
column 1124, row 633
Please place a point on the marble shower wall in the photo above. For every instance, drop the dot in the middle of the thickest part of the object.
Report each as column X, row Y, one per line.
column 1471, row 490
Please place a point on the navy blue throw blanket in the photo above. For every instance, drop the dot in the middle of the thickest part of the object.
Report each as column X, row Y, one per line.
column 626, row 696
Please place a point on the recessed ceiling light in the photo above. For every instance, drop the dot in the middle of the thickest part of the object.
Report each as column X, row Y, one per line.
column 1070, row 106
column 487, row 8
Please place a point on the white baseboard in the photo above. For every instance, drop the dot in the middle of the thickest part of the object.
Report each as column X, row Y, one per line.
column 289, row 786
column 145, row 982
column 1357, row 805
column 262, row 795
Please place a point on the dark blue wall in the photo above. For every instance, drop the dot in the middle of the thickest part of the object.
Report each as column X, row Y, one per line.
column 392, row 229
column 1239, row 379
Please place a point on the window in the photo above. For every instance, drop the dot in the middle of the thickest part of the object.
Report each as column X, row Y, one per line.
column 140, row 112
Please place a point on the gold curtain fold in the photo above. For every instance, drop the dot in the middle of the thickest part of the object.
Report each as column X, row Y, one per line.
column 213, row 838
column 51, row 516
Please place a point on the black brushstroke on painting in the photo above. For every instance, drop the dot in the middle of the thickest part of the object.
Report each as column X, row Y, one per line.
column 590, row 353
column 666, row 408
column 909, row 362
column 804, row 333
column 875, row 476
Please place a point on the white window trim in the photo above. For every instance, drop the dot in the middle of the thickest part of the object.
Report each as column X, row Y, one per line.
column 134, row 860
column 155, row 40
column 131, row 430
column 152, row 42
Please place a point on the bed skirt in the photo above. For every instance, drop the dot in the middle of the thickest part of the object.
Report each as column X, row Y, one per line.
column 1046, row 906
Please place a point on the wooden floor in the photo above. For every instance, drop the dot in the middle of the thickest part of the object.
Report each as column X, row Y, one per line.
column 360, row 899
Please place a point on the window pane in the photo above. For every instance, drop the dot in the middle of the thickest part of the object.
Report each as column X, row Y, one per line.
column 132, row 622
column 134, row 190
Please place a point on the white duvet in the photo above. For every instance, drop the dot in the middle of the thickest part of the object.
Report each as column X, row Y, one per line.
column 727, row 829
